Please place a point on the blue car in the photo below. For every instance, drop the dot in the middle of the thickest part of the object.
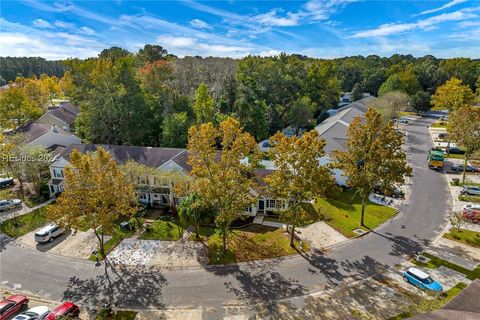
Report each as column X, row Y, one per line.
column 421, row 280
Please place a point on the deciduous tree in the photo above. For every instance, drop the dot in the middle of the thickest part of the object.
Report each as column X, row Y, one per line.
column 96, row 194
column 452, row 95
column 193, row 211
column 175, row 130
column 299, row 177
column 203, row 106
column 16, row 108
column 373, row 156
column 464, row 129
column 391, row 104
column 221, row 177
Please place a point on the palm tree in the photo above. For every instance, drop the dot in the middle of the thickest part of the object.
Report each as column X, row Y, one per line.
column 192, row 211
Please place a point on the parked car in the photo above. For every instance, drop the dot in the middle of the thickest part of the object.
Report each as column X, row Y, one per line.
column 10, row 204
column 48, row 233
column 443, row 135
column 472, row 212
column 470, row 190
column 12, row 305
column 65, row 310
column 6, row 182
column 468, row 168
column 403, row 121
column 36, row 313
column 454, row 150
column 394, row 192
column 421, row 280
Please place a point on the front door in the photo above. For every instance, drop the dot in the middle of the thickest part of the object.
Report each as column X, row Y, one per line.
column 261, row 205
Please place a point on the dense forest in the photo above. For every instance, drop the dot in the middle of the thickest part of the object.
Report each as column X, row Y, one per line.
column 151, row 97
column 13, row 67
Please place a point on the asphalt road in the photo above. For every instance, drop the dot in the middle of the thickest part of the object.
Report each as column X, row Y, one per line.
column 214, row 289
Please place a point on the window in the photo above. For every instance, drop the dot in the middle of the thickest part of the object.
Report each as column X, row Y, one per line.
column 271, row 203
column 57, row 173
column 249, row 209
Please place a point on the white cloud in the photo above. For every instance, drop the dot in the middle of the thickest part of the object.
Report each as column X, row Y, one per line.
column 63, row 24
column 19, row 40
column 468, row 24
column 426, row 24
column 40, row 23
column 272, row 19
column 188, row 46
column 86, row 31
column 199, row 24
column 445, row 6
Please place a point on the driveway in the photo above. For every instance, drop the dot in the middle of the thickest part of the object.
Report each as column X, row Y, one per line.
column 268, row 282
column 74, row 245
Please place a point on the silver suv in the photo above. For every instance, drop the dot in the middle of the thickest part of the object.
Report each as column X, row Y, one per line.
column 48, row 233
column 471, row 190
column 10, row 204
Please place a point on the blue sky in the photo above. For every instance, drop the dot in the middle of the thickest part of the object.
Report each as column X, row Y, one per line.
column 317, row 28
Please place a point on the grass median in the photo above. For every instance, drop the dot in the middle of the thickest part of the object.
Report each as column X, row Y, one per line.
column 23, row 224
column 343, row 213
column 467, row 237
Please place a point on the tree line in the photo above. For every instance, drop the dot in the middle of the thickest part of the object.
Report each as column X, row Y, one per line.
column 151, row 97
column 13, row 67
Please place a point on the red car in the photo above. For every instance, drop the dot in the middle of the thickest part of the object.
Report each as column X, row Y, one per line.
column 472, row 212
column 12, row 305
column 65, row 310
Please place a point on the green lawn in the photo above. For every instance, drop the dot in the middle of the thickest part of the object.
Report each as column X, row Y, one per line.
column 255, row 242
column 343, row 213
column 121, row 315
column 466, row 184
column 16, row 227
column 426, row 305
column 30, row 200
column 437, row 262
column 469, row 198
column 164, row 230
column 455, row 156
column 468, row 237
column 441, row 124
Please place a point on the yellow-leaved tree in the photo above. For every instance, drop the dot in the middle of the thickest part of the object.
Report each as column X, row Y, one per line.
column 452, row 95
column 96, row 194
column 373, row 156
column 299, row 177
column 464, row 129
column 222, row 179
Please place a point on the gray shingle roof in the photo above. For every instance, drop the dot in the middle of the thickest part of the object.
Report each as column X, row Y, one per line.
column 35, row 130
column 334, row 129
column 63, row 114
column 149, row 156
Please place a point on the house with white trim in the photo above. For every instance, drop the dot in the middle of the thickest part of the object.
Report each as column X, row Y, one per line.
column 51, row 137
column 152, row 192
column 63, row 117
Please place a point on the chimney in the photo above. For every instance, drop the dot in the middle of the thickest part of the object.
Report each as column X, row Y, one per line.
column 54, row 128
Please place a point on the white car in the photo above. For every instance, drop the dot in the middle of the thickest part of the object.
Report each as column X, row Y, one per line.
column 48, row 233
column 470, row 190
column 10, row 204
column 36, row 313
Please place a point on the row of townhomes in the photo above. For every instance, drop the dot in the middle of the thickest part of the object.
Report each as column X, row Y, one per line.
column 160, row 193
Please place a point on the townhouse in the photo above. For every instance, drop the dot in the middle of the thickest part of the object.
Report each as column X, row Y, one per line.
column 151, row 190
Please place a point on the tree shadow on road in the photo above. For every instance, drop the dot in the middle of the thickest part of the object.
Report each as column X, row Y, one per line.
column 128, row 287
